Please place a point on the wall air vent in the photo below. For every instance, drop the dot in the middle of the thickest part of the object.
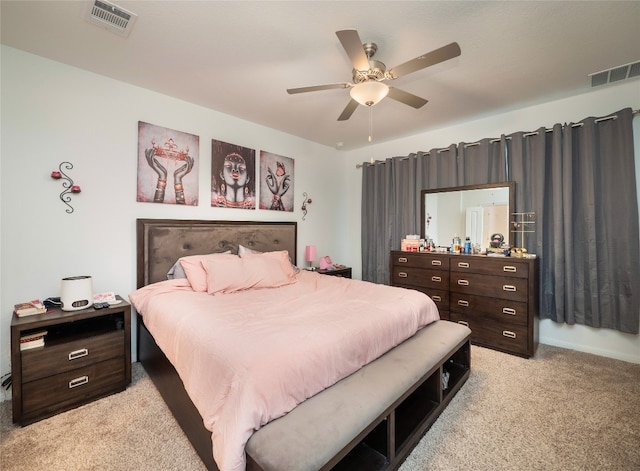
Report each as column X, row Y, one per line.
column 110, row 16
column 616, row 74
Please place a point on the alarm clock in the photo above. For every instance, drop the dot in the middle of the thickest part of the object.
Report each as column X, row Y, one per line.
column 76, row 293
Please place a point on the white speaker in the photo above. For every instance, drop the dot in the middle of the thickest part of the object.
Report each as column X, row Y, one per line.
column 76, row 293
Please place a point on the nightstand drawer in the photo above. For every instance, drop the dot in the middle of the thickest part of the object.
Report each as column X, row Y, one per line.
column 41, row 362
column 65, row 389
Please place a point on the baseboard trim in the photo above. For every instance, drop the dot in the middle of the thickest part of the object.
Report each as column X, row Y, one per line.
column 588, row 349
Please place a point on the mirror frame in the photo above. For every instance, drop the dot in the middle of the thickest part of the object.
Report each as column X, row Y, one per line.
column 512, row 201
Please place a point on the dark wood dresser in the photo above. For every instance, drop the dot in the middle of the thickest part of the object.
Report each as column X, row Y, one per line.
column 86, row 355
column 495, row 296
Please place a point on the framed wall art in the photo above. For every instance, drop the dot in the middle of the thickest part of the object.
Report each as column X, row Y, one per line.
column 276, row 182
column 233, row 171
column 167, row 165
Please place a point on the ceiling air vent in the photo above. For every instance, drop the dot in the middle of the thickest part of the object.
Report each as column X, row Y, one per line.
column 616, row 74
column 111, row 17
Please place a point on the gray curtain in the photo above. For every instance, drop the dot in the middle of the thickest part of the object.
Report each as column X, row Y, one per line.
column 377, row 184
column 580, row 181
column 531, row 167
column 482, row 162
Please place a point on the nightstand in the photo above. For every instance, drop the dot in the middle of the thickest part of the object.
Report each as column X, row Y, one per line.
column 86, row 355
column 342, row 272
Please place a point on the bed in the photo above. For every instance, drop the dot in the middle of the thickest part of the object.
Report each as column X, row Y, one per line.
column 352, row 408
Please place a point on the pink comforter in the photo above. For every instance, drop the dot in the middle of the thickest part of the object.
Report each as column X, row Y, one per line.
column 249, row 357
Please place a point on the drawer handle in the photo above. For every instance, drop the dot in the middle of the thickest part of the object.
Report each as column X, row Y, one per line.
column 465, row 323
column 509, row 268
column 509, row 288
column 402, row 274
column 83, row 352
column 74, row 383
column 463, row 282
column 437, row 279
column 509, row 334
column 436, row 298
column 462, row 302
column 509, row 310
column 402, row 260
column 463, row 265
column 436, row 262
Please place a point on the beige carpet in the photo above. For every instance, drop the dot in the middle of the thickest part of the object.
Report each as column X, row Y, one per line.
column 561, row 410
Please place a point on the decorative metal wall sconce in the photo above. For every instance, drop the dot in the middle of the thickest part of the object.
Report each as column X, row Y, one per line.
column 67, row 184
column 305, row 202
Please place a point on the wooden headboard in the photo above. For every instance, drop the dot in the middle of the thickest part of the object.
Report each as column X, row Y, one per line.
column 160, row 242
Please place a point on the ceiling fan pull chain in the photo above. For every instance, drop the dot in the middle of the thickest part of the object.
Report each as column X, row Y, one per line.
column 370, row 123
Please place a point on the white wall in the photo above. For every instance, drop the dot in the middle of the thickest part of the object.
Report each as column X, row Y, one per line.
column 53, row 113
column 599, row 102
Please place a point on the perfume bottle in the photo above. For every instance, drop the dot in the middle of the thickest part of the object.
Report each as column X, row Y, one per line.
column 467, row 245
column 457, row 244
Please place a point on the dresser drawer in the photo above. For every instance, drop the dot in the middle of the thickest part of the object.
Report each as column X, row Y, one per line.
column 420, row 260
column 73, row 387
column 503, row 336
column 490, row 266
column 515, row 289
column 440, row 297
column 492, row 309
column 420, row 277
column 40, row 362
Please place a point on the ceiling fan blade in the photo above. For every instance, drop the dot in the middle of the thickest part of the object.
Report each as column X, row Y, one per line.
column 352, row 45
column 316, row 88
column 348, row 111
column 430, row 58
column 406, row 98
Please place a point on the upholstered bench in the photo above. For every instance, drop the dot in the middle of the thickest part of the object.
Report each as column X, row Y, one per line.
column 370, row 403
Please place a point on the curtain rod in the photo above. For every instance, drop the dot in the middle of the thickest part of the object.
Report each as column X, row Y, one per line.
column 534, row 133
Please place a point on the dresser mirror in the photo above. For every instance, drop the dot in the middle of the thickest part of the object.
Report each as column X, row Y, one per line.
column 474, row 211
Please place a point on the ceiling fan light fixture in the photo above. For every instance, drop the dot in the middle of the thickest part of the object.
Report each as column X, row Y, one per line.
column 369, row 93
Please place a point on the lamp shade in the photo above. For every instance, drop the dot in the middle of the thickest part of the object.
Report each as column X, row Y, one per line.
column 310, row 253
column 369, row 93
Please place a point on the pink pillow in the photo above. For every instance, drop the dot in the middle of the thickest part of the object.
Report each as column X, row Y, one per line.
column 242, row 250
column 282, row 256
column 193, row 266
column 254, row 272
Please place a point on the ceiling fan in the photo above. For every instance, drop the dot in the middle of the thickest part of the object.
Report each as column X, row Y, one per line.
column 367, row 87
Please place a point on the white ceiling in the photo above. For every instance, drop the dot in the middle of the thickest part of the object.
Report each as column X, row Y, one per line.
column 239, row 57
